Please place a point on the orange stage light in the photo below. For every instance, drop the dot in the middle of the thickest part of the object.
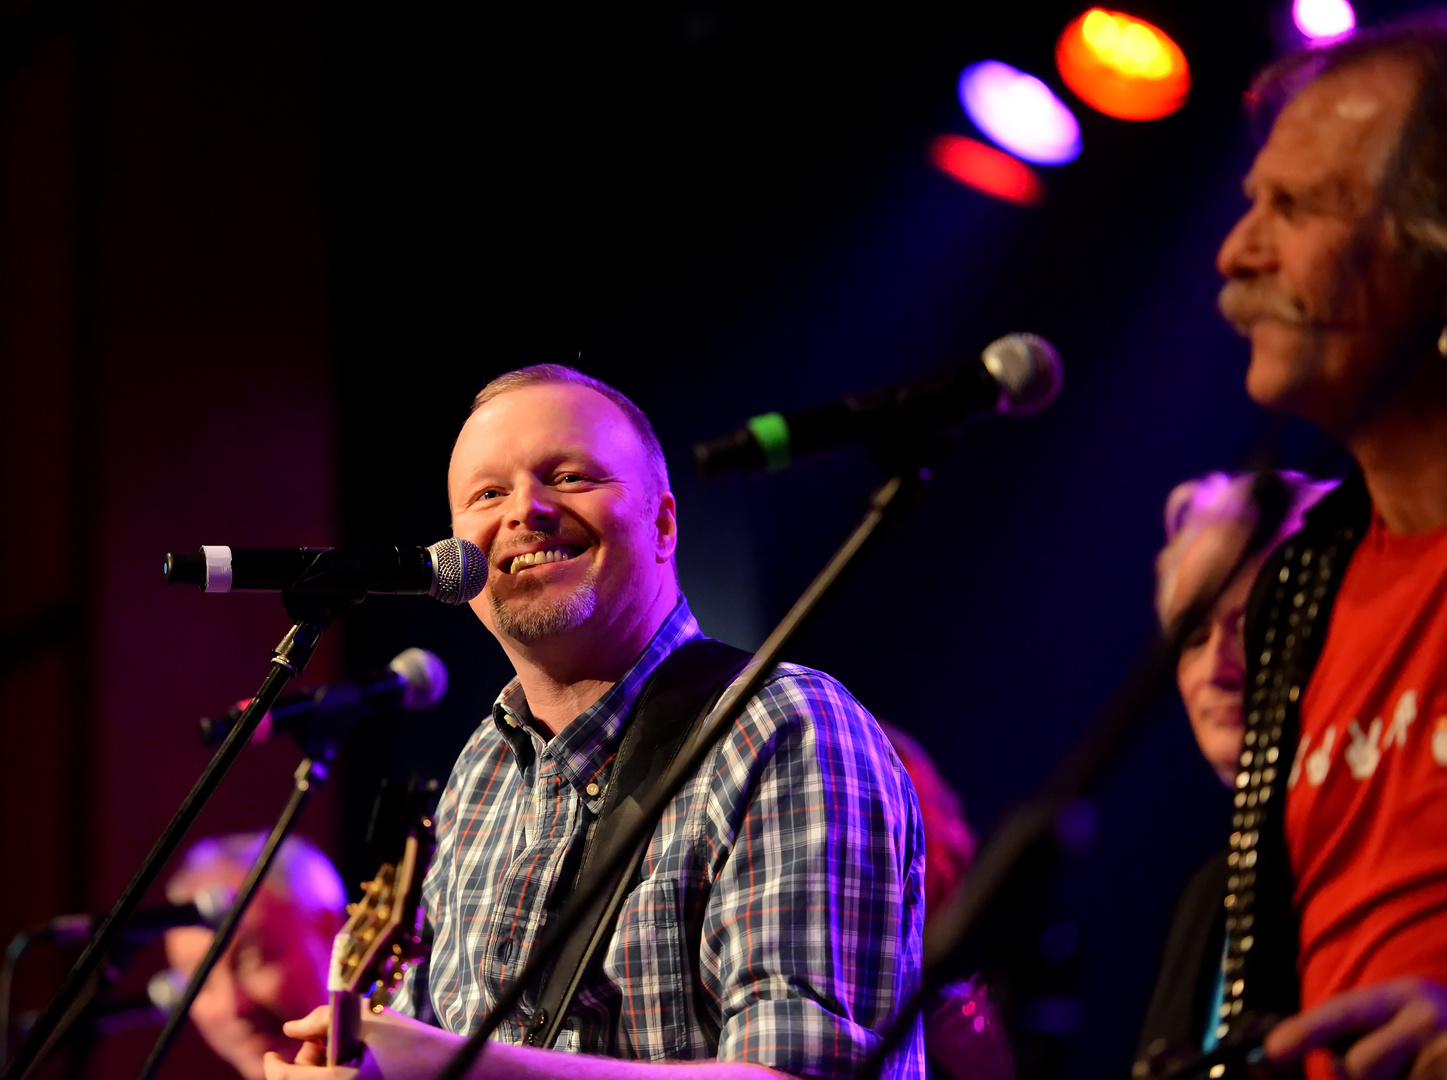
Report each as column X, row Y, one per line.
column 1123, row 66
column 986, row 169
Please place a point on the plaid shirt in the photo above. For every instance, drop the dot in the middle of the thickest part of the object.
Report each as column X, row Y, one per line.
column 779, row 913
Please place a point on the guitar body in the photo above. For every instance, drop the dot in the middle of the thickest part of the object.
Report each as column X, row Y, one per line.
column 1238, row 1057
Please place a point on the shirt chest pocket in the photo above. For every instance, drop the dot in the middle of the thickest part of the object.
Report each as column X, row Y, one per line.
column 647, row 963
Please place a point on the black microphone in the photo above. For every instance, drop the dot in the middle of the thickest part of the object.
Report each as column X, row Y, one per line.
column 148, row 1009
column 117, row 1015
column 1017, row 375
column 415, row 679
column 207, row 909
column 453, row 570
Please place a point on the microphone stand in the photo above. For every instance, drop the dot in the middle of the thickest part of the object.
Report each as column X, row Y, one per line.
column 887, row 505
column 310, row 775
column 1034, row 821
column 311, row 616
column 82, row 1026
column 1022, row 831
column 1030, row 824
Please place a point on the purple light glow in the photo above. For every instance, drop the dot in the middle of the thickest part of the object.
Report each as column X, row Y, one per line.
column 1018, row 113
column 1321, row 20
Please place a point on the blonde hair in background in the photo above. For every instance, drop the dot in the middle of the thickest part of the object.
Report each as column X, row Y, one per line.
column 1218, row 500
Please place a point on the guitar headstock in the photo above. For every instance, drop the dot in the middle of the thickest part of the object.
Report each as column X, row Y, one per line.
column 383, row 932
column 383, row 935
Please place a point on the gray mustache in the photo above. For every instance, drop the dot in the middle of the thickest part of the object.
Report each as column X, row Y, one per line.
column 1244, row 301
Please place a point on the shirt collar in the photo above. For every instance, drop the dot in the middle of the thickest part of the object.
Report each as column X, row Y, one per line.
column 584, row 748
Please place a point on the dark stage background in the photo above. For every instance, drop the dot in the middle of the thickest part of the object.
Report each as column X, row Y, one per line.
column 256, row 258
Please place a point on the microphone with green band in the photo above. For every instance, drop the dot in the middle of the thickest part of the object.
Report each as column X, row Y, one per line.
column 1017, row 375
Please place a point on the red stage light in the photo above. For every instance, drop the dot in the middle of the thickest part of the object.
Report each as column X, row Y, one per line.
column 1123, row 66
column 986, row 169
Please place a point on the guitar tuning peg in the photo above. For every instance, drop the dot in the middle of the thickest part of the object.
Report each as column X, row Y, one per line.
column 352, row 908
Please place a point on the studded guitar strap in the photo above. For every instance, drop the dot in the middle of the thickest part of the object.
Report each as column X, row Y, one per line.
column 1290, row 612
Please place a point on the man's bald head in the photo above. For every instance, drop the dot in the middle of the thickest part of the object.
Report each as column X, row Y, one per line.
column 541, row 374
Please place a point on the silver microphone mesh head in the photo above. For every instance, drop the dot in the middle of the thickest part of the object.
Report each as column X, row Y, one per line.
column 1028, row 369
column 166, row 988
column 459, row 570
column 212, row 904
column 424, row 677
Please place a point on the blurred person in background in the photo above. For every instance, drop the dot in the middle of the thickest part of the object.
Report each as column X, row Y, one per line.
column 949, row 840
column 276, row 966
column 964, row 1036
column 1208, row 523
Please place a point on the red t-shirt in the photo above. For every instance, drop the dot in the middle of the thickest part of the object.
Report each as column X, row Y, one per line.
column 1366, row 807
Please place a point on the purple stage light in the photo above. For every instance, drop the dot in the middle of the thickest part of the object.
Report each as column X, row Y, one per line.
column 1019, row 113
column 1322, row 20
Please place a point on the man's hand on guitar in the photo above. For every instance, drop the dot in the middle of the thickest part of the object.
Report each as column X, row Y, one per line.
column 397, row 1048
column 1396, row 1028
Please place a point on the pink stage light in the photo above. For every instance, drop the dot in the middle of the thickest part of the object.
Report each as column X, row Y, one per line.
column 1019, row 113
column 1322, row 20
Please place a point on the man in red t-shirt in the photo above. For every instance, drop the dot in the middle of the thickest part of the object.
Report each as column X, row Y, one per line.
column 1337, row 272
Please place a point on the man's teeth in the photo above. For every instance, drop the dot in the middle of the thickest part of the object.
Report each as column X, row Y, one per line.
column 537, row 557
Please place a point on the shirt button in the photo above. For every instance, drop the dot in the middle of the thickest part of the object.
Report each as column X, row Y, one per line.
column 592, row 789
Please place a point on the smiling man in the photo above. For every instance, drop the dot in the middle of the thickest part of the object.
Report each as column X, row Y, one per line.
column 565, row 488
column 1337, row 273
column 777, row 917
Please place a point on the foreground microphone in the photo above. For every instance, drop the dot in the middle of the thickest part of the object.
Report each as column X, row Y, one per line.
column 207, row 909
column 415, row 679
column 453, row 570
column 1017, row 375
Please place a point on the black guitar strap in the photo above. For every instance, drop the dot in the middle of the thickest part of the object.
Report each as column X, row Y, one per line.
column 667, row 717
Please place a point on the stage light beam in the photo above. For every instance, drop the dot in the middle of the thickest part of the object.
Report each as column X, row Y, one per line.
column 1019, row 113
column 1123, row 66
column 986, row 169
column 1323, row 20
